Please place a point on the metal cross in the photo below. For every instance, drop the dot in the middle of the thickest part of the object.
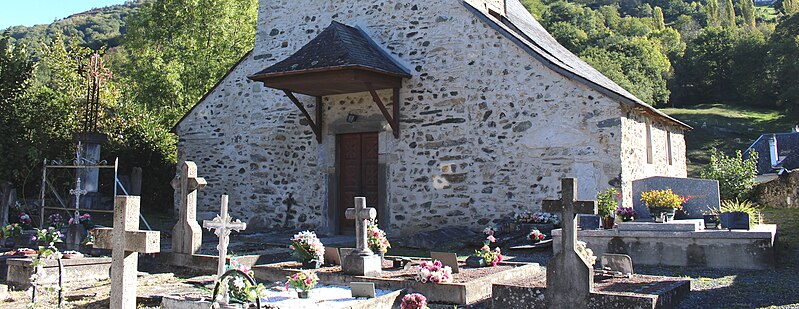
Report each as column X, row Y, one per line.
column 361, row 214
column 569, row 207
column 223, row 224
column 77, row 192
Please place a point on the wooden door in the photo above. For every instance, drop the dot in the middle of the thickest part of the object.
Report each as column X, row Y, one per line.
column 357, row 164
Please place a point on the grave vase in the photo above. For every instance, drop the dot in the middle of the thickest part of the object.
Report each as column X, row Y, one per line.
column 476, row 262
column 305, row 294
column 666, row 213
column 608, row 222
column 311, row 264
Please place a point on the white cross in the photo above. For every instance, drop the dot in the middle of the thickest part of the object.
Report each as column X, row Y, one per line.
column 77, row 192
column 223, row 224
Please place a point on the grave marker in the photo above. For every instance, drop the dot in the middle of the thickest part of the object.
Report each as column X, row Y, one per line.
column 332, row 256
column 126, row 242
column 447, row 259
column 187, row 233
column 222, row 225
column 570, row 278
column 704, row 194
column 362, row 261
column 618, row 262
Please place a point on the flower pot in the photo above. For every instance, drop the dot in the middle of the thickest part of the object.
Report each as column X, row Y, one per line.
column 736, row 220
column 665, row 213
column 476, row 262
column 711, row 221
column 304, row 294
column 608, row 222
column 311, row 264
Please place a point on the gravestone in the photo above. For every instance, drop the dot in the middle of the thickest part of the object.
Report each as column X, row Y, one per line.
column 735, row 220
column 126, row 242
column 222, row 225
column 704, row 194
column 187, row 233
column 135, row 181
column 332, row 256
column 447, row 259
column 621, row 263
column 589, row 222
column 362, row 261
column 570, row 278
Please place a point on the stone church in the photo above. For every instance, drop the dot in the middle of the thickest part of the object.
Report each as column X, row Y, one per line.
column 440, row 112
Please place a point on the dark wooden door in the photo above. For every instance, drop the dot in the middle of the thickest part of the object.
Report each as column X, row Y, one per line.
column 357, row 159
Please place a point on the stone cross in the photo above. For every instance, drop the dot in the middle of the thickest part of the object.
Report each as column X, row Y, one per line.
column 187, row 233
column 126, row 242
column 362, row 261
column 361, row 214
column 570, row 278
column 223, row 224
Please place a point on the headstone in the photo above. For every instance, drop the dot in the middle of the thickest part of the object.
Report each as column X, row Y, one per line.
column 222, row 225
column 589, row 222
column 687, row 225
column 332, row 256
column 447, row 259
column 570, row 278
column 363, row 289
column 617, row 262
column 135, row 181
column 126, row 242
column 187, row 233
column 704, row 194
column 362, row 261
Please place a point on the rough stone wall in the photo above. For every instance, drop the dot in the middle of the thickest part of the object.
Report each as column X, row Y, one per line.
column 782, row 192
column 634, row 151
column 486, row 130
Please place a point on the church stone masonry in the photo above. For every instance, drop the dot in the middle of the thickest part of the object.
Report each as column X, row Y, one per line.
column 493, row 114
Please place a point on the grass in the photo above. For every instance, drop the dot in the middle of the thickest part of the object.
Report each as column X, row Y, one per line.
column 728, row 128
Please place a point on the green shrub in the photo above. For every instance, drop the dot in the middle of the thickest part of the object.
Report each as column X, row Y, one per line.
column 736, row 176
column 606, row 201
column 741, row 206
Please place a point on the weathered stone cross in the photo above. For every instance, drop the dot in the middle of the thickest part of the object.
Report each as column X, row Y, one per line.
column 362, row 261
column 569, row 277
column 126, row 241
column 223, row 224
column 187, row 233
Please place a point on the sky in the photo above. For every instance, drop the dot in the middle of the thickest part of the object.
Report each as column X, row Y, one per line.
column 34, row 12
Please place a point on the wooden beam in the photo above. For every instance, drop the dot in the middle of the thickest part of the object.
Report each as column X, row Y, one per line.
column 392, row 121
column 319, row 119
column 396, row 109
column 314, row 127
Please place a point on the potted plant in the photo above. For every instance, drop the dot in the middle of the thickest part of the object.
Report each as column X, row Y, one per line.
column 414, row 301
column 308, row 250
column 662, row 203
column 536, row 236
column 377, row 240
column 302, row 282
column 606, row 204
column 626, row 214
column 434, row 272
column 737, row 214
column 486, row 256
column 11, row 231
column 711, row 218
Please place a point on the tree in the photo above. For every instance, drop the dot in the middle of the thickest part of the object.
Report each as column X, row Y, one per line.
column 787, row 7
column 712, row 12
column 727, row 15
column 703, row 73
column 785, row 59
column 736, row 176
column 660, row 24
column 748, row 13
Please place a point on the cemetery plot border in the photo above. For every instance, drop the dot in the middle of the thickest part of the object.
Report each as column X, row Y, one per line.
column 387, row 300
column 83, row 269
column 464, row 293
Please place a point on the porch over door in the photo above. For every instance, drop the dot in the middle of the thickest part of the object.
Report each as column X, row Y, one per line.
column 358, row 174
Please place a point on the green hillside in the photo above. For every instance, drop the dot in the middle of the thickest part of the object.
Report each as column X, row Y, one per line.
column 94, row 28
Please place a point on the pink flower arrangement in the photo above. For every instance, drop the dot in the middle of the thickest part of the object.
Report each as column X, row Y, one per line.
column 303, row 281
column 434, row 272
column 306, row 246
column 488, row 255
column 414, row 301
column 376, row 238
column 24, row 218
column 626, row 213
column 536, row 235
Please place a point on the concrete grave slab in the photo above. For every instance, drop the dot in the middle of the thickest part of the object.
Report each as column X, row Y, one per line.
column 690, row 225
column 704, row 194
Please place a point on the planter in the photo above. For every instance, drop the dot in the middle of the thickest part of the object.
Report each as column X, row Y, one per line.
column 476, row 262
column 711, row 221
column 735, row 220
column 311, row 264
column 303, row 294
column 664, row 213
column 608, row 222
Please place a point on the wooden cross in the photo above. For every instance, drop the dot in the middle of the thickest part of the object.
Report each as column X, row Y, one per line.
column 126, row 241
column 223, row 224
column 569, row 207
column 187, row 233
column 361, row 214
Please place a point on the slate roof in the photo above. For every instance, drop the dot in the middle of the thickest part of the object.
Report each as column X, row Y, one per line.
column 338, row 46
column 520, row 26
column 787, row 148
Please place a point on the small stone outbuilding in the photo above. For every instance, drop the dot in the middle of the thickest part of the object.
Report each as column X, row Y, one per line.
column 440, row 112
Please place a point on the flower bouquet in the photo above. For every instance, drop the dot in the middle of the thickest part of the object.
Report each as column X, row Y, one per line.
column 56, row 221
column 376, row 239
column 308, row 249
column 663, row 203
column 302, row 282
column 536, row 236
column 626, row 214
column 434, row 272
column 239, row 288
column 485, row 256
column 414, row 301
column 586, row 253
column 11, row 231
column 85, row 220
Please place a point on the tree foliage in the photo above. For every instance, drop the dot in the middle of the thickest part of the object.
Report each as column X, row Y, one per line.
column 736, row 176
column 748, row 13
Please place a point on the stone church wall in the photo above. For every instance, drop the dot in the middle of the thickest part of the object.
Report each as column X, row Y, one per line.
column 486, row 130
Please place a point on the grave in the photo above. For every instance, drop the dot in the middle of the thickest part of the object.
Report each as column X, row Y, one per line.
column 704, row 194
column 187, row 234
column 75, row 270
column 361, row 261
column 570, row 282
column 222, row 225
column 126, row 241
